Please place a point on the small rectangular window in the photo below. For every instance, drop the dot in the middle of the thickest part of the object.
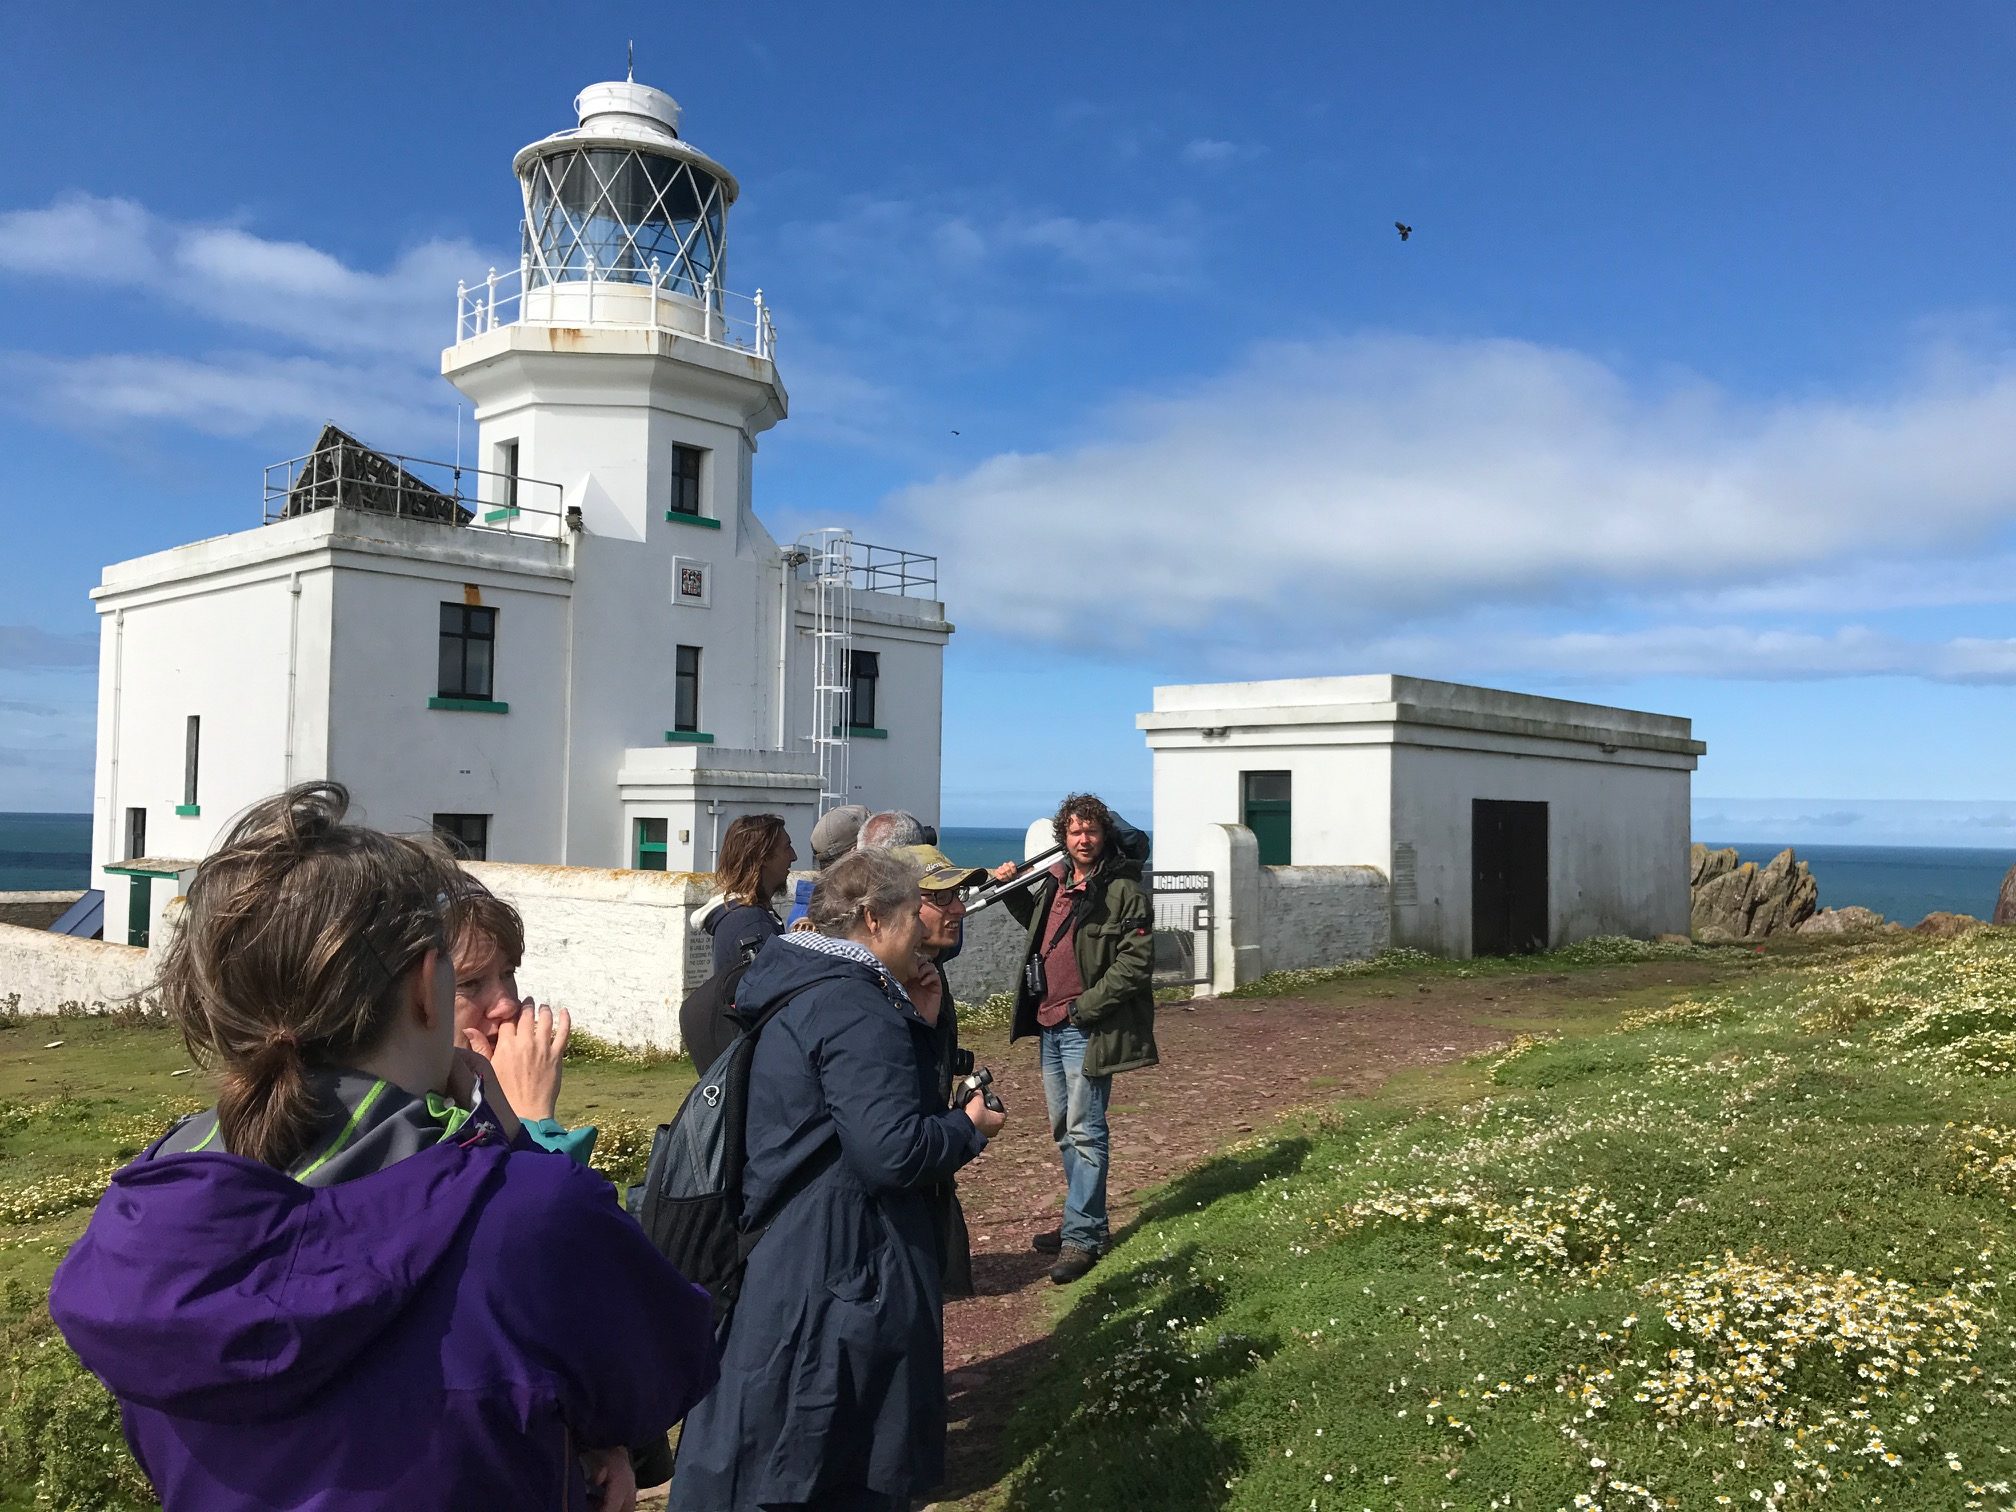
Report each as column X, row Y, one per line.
column 650, row 845
column 191, row 745
column 686, row 689
column 468, row 645
column 467, row 834
column 864, row 673
column 686, row 479
column 507, row 467
column 136, row 833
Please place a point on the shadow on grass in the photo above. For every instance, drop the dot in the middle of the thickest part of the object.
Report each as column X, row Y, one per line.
column 1115, row 1413
column 1225, row 1176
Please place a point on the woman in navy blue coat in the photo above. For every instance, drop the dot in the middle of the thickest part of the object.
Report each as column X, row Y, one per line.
column 832, row 1393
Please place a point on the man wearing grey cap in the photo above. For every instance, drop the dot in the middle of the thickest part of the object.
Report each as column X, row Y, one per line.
column 835, row 833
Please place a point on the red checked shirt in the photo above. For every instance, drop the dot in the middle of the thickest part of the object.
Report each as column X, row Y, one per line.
column 1059, row 944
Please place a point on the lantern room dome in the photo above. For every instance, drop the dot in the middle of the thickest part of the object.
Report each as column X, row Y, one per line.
column 621, row 197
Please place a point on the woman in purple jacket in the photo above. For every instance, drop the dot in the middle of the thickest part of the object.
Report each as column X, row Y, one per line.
column 354, row 1283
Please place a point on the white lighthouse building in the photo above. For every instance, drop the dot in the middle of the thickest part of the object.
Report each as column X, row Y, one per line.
column 582, row 648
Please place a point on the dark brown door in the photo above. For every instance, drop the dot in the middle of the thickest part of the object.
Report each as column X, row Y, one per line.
column 1508, row 880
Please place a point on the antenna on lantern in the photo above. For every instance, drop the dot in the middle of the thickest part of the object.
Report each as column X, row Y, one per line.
column 630, row 64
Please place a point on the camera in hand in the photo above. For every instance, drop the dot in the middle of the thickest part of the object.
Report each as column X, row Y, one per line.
column 982, row 1083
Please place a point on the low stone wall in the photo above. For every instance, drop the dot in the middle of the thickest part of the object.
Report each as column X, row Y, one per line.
column 35, row 910
column 1321, row 915
column 42, row 972
column 990, row 957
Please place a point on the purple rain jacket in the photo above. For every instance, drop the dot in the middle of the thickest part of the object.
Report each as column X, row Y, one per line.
column 440, row 1329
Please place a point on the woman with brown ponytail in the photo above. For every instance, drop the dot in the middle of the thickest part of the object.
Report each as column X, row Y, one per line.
column 354, row 1284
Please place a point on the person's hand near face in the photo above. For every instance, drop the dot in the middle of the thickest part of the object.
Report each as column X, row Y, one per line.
column 529, row 1054
column 486, row 991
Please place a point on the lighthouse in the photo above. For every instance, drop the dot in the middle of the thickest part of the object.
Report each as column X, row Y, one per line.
column 577, row 646
column 614, row 350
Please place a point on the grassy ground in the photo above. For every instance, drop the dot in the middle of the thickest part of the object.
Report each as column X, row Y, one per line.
column 79, row 1096
column 1738, row 1243
column 1743, row 1246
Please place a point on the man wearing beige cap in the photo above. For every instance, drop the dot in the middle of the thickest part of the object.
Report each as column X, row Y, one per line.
column 939, row 881
column 834, row 835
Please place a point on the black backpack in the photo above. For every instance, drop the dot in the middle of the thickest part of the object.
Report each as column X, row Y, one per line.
column 1130, row 843
column 690, row 1205
column 707, row 1020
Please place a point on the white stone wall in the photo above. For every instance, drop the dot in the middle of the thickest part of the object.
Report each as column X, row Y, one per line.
column 1617, row 842
column 1321, row 915
column 614, row 948
column 46, row 971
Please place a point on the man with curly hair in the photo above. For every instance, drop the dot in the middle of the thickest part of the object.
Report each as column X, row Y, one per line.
column 1087, row 992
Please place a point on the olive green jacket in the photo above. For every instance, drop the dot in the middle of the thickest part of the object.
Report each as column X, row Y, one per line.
column 1115, row 947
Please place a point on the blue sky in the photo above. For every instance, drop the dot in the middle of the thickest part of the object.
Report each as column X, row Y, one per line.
column 1694, row 389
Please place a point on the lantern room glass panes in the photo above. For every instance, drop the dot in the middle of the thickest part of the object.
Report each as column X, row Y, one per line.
column 621, row 210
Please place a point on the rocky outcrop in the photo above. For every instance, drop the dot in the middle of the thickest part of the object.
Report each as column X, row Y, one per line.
column 2005, row 901
column 1946, row 925
column 1740, row 900
column 1853, row 919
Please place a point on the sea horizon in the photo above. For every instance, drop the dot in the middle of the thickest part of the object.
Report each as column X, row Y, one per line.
column 49, row 851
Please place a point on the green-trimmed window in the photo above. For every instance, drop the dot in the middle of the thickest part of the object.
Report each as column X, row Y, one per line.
column 468, row 660
column 507, row 481
column 864, row 678
column 192, row 746
column 686, row 688
column 136, row 833
column 1266, row 808
column 686, row 480
column 649, row 845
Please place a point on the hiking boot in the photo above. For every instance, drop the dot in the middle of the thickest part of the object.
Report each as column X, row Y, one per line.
column 1072, row 1262
column 1047, row 1243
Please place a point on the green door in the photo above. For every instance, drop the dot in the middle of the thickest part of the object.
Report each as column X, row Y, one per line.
column 139, row 908
column 1266, row 808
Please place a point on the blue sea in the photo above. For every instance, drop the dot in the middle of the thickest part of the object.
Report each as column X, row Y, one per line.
column 1902, row 883
column 51, row 852
column 44, row 852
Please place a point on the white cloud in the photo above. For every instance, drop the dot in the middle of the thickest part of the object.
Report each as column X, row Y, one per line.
column 1326, row 491
column 286, row 288
column 1720, row 651
column 236, row 394
column 1210, row 152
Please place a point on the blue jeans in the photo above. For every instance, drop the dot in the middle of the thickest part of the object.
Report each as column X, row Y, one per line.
column 1078, row 1124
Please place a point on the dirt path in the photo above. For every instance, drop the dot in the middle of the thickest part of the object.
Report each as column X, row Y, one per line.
column 1229, row 1068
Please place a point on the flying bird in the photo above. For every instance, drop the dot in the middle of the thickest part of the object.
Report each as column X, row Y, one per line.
column 1404, row 229
column 955, row 433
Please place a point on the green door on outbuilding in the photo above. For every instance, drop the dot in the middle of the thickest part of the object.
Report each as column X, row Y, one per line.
column 1266, row 807
column 139, row 909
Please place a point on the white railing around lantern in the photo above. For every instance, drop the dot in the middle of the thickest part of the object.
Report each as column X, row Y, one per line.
column 645, row 298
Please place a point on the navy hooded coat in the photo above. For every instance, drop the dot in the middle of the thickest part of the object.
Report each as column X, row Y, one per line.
column 832, row 1375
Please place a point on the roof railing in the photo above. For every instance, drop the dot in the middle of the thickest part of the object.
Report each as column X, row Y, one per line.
column 342, row 472
column 887, row 569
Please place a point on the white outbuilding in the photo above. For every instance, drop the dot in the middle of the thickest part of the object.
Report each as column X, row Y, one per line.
column 580, row 646
column 1502, row 822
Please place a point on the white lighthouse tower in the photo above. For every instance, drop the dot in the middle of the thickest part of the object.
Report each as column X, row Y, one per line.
column 583, row 649
column 615, row 352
